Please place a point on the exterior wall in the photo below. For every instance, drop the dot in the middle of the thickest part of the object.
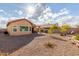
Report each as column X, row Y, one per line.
column 18, row 32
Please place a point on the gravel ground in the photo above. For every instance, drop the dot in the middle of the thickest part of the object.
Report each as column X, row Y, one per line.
column 37, row 48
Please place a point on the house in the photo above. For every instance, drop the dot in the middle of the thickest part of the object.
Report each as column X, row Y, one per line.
column 45, row 28
column 19, row 27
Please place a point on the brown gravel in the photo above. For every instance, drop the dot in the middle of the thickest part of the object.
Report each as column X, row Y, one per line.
column 36, row 48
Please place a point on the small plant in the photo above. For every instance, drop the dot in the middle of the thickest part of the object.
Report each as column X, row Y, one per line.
column 75, row 40
column 77, row 37
column 49, row 44
column 49, row 31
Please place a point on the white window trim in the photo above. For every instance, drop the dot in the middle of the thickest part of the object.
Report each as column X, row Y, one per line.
column 13, row 28
column 24, row 25
column 18, row 27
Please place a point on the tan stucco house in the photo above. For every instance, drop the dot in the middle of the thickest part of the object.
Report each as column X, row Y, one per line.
column 19, row 27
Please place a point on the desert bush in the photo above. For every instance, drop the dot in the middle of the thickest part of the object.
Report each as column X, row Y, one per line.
column 49, row 31
column 50, row 44
column 52, row 28
column 64, row 29
column 77, row 37
column 75, row 40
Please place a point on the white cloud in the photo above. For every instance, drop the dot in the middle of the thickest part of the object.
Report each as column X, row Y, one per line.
column 49, row 17
column 14, row 18
column 2, row 11
column 3, row 22
column 64, row 19
column 19, row 12
column 38, row 11
column 74, row 21
column 44, row 15
column 63, row 11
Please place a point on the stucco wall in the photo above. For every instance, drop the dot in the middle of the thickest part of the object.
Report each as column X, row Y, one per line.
column 18, row 23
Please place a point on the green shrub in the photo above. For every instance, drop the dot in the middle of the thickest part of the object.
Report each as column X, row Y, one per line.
column 77, row 37
column 64, row 29
column 49, row 31
column 52, row 28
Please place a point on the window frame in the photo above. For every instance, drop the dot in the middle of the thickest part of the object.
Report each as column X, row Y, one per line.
column 25, row 27
column 15, row 28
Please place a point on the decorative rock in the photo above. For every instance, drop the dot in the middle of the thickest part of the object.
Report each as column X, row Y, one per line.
column 77, row 44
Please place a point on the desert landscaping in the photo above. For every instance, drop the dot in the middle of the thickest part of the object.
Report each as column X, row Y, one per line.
column 39, row 29
column 41, row 43
column 61, row 47
column 38, row 44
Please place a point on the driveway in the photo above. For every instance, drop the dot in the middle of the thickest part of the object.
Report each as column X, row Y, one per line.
column 9, row 44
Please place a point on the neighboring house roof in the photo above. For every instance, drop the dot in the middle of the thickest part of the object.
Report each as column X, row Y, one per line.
column 20, row 20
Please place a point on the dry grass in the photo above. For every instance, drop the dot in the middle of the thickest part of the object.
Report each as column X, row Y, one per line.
column 49, row 44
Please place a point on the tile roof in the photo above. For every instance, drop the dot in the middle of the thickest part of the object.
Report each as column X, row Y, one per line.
column 20, row 20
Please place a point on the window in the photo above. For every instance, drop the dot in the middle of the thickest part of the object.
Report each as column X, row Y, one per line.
column 23, row 28
column 14, row 29
column 30, row 28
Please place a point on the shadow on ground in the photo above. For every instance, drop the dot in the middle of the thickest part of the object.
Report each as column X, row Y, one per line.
column 9, row 44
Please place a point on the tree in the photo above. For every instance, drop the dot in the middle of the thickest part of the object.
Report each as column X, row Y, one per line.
column 64, row 29
column 52, row 28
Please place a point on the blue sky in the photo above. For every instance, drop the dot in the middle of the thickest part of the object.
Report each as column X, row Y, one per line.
column 40, row 13
column 9, row 8
column 72, row 7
